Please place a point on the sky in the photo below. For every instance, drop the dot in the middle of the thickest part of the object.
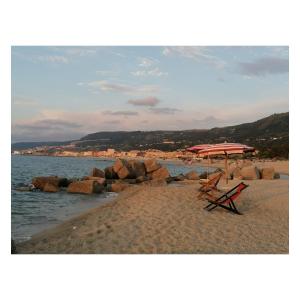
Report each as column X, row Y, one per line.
column 64, row 93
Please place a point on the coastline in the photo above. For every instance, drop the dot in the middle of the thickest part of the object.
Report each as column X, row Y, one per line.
column 170, row 219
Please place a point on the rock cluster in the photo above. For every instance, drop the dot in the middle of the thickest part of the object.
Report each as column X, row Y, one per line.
column 114, row 178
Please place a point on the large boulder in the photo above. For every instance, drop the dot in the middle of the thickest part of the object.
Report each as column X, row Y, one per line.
column 50, row 188
column 192, row 175
column 250, row 173
column 137, row 168
column 141, row 179
column 40, row 182
column 85, row 187
column 267, row 173
column 179, row 177
column 123, row 169
column 118, row 165
column 110, row 173
column 97, row 173
column 161, row 173
column 98, row 179
column 151, row 165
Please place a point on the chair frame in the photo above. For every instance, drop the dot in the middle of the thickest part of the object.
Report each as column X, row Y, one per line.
column 210, row 185
column 226, row 200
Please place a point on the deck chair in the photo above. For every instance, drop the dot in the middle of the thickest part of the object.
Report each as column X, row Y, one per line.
column 209, row 186
column 226, row 200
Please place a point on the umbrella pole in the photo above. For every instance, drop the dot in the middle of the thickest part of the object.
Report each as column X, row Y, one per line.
column 226, row 168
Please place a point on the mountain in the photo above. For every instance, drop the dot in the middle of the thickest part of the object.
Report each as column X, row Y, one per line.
column 269, row 135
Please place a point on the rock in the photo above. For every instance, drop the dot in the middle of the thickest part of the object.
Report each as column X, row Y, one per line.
column 192, row 175
column 110, row 173
column 236, row 173
column 129, row 181
column 118, row 187
column 250, row 173
column 161, row 173
column 267, row 173
column 141, row 179
column 97, row 173
column 276, row 175
column 151, row 165
column 85, row 187
column 40, row 182
column 64, row 182
column 124, row 172
column 98, row 179
column 179, row 177
column 50, row 188
column 137, row 168
column 118, row 165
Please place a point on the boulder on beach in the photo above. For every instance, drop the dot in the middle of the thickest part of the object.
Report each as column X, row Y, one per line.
column 267, row 173
column 141, row 179
column 137, row 168
column 50, row 188
column 192, row 175
column 85, row 187
column 123, row 169
column 40, row 182
column 161, row 173
column 110, row 173
column 118, row 165
column 98, row 179
column 250, row 173
column 151, row 165
column 97, row 173
column 179, row 177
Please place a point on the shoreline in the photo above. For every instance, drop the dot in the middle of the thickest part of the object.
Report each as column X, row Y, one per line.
column 170, row 219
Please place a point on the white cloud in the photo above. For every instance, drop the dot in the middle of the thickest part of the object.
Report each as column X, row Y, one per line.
column 53, row 59
column 146, row 62
column 148, row 101
column 108, row 86
column 197, row 53
column 153, row 72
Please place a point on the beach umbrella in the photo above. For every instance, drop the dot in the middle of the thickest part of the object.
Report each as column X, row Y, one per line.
column 197, row 148
column 225, row 149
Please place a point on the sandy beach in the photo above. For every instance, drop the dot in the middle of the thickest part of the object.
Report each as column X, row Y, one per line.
column 170, row 219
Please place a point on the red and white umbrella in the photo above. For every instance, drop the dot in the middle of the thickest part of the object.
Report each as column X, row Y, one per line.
column 225, row 149
column 197, row 148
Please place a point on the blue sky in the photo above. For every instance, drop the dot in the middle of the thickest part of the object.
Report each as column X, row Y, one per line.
column 63, row 93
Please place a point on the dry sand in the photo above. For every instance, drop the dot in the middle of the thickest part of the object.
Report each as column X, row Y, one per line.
column 170, row 219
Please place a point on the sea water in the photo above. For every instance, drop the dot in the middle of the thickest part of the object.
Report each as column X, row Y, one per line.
column 32, row 212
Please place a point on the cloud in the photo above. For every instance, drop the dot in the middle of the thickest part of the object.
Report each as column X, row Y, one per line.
column 107, row 73
column 164, row 110
column 107, row 86
column 81, row 51
column 148, row 101
column 264, row 66
column 146, row 62
column 197, row 53
column 24, row 101
column 152, row 72
column 48, row 124
column 121, row 113
column 53, row 59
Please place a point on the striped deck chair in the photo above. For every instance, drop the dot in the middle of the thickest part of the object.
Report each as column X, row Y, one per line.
column 209, row 186
column 226, row 200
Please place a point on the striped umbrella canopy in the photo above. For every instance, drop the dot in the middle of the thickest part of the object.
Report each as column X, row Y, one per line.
column 197, row 148
column 225, row 149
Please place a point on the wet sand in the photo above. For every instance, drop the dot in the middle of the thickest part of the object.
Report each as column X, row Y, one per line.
column 170, row 219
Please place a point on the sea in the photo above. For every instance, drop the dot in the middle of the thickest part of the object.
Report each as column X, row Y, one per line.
column 32, row 212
